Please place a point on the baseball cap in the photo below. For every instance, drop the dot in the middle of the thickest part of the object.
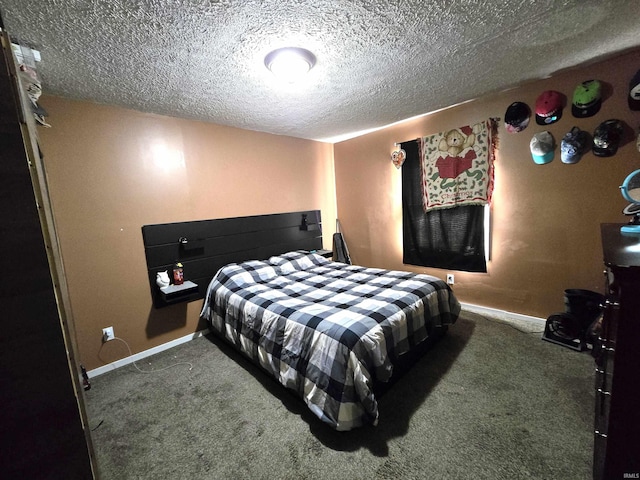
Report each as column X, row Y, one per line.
column 516, row 117
column 606, row 138
column 587, row 99
column 549, row 107
column 542, row 147
column 634, row 92
column 574, row 144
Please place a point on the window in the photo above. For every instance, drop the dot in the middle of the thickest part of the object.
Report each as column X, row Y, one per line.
column 451, row 238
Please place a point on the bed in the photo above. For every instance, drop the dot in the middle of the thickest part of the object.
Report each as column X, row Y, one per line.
column 327, row 330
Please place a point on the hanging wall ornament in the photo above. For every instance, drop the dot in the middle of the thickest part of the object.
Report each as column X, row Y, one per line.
column 398, row 157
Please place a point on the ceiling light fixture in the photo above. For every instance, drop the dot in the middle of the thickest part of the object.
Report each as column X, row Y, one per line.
column 290, row 63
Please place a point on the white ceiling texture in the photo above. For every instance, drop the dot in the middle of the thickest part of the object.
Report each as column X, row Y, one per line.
column 378, row 62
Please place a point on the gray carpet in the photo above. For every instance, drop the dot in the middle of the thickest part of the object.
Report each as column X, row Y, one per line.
column 489, row 401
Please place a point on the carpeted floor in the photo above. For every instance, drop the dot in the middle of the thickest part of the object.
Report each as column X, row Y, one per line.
column 489, row 401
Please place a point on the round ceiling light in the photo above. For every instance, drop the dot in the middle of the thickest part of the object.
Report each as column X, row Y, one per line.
column 290, row 63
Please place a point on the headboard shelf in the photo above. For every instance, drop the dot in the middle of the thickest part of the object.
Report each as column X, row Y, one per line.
column 204, row 246
column 179, row 293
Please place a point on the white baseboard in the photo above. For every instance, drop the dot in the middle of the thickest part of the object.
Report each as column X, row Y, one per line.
column 492, row 312
column 503, row 314
column 146, row 353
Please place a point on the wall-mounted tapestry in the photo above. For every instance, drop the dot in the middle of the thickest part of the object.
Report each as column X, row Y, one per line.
column 457, row 166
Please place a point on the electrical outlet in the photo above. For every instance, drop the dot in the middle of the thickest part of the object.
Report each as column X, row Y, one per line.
column 107, row 334
column 450, row 279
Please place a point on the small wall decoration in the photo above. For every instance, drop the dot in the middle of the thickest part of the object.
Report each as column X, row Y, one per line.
column 457, row 166
column 398, row 156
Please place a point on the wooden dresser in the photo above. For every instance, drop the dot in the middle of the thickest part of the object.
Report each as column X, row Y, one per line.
column 617, row 379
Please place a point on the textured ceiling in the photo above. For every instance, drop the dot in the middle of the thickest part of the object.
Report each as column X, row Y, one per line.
column 378, row 62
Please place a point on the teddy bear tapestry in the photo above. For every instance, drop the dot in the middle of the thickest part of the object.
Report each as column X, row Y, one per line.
column 457, row 166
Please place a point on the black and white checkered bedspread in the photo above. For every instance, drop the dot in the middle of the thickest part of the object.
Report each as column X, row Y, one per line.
column 326, row 329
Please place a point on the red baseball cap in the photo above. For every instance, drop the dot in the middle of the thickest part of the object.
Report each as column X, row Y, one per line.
column 549, row 107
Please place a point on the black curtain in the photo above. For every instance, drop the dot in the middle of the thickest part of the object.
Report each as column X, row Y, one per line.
column 451, row 238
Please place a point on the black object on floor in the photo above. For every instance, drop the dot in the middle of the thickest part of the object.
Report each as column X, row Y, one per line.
column 575, row 327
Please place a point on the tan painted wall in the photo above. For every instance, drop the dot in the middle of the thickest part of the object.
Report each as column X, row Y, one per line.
column 546, row 218
column 113, row 170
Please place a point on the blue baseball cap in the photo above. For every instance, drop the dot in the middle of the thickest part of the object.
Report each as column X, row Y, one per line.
column 574, row 144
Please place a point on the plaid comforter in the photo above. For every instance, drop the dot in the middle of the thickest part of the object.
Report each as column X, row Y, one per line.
column 326, row 329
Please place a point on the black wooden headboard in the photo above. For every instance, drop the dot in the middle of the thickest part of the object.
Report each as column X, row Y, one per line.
column 204, row 246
